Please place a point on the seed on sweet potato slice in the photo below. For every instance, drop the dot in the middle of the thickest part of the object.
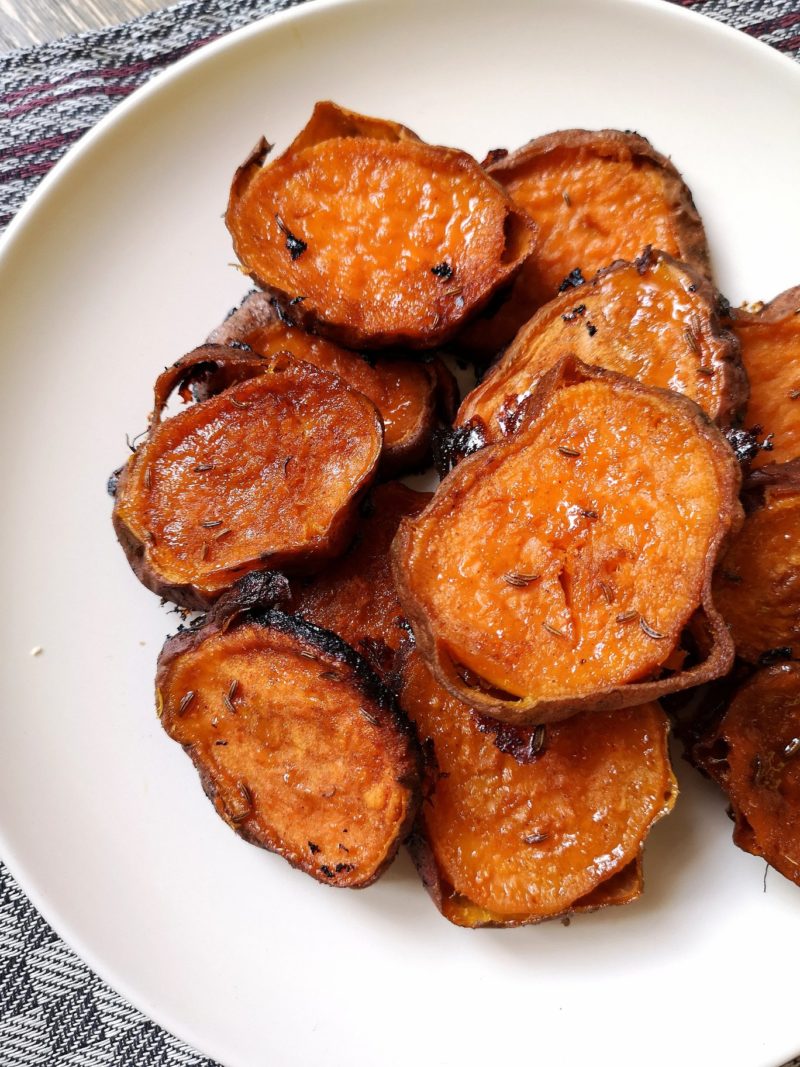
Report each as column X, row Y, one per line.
column 756, row 759
column 770, row 340
column 411, row 396
column 373, row 237
column 499, row 843
column 266, row 473
column 654, row 319
column 297, row 745
column 595, row 196
column 556, row 570
column 355, row 596
column 757, row 583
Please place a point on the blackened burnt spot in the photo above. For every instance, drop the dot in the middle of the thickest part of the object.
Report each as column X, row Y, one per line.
column 313, row 847
column 442, row 270
column 591, row 329
column 572, row 280
column 774, row 655
column 576, row 312
column 295, row 245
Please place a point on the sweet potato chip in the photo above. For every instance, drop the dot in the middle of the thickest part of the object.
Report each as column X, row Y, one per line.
column 498, row 843
column 297, row 745
column 757, row 584
column 268, row 473
column 654, row 320
column 770, row 341
column 596, row 196
column 410, row 396
column 370, row 236
column 555, row 571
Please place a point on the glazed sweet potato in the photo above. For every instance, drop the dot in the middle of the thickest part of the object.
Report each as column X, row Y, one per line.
column 596, row 196
column 268, row 473
column 411, row 396
column 355, row 596
column 654, row 320
column 503, row 844
column 757, row 584
column 770, row 341
column 756, row 759
column 373, row 237
column 555, row 571
column 297, row 745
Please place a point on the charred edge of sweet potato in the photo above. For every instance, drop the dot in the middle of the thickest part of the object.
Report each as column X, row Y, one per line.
column 717, row 640
column 331, row 647
column 771, row 480
column 784, row 306
column 691, row 235
column 204, row 372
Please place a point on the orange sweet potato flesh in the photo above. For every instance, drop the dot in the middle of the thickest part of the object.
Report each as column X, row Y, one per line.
column 654, row 319
column 760, row 738
column 498, row 843
column 266, row 474
column 595, row 196
column 544, row 579
column 297, row 746
column 388, row 240
column 355, row 595
column 410, row 396
column 770, row 341
column 757, row 584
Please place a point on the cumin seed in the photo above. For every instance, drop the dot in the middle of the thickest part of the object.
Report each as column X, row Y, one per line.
column 185, row 702
column 588, row 513
column 691, row 340
column 520, row 580
column 148, row 479
column 566, row 198
column 201, row 467
column 209, row 524
column 706, row 370
column 535, row 838
column 649, row 631
column 795, row 393
column 565, row 450
column 238, row 403
column 366, row 715
column 233, row 688
column 553, row 630
column 607, row 591
column 627, row 616
column 791, row 748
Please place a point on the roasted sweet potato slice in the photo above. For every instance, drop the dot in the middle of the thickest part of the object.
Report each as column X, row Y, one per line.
column 268, row 473
column 373, row 237
column 757, row 584
column 654, row 320
column 596, row 196
column 410, row 396
column 770, row 340
column 756, row 759
column 355, row 595
column 545, row 576
column 297, row 745
column 498, row 843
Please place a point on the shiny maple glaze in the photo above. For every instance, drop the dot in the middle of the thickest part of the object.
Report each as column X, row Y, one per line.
column 543, row 561
column 771, row 354
column 376, row 218
column 650, row 321
column 266, row 472
column 297, row 758
column 761, row 730
column 525, row 842
column 757, row 583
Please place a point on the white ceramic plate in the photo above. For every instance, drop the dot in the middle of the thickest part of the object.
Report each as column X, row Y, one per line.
column 118, row 265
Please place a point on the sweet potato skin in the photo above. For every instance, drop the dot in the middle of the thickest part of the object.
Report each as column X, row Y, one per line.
column 372, row 305
column 411, row 396
column 770, row 343
column 414, row 558
column 334, row 800
column 600, row 174
column 654, row 319
column 497, row 843
column 263, row 393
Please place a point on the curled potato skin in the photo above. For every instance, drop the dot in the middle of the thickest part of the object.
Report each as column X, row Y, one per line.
column 352, row 288
column 305, row 754
column 187, row 490
column 654, row 319
column 576, row 185
column 483, row 671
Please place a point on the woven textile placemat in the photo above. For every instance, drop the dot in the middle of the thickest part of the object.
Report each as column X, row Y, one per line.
column 54, row 1011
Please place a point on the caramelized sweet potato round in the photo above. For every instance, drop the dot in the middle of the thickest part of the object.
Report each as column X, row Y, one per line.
column 757, row 584
column 596, row 196
column 384, row 239
column 297, row 746
column 770, row 341
column 760, row 738
column 654, row 320
column 355, row 595
column 410, row 396
column 545, row 578
column 266, row 474
column 503, row 844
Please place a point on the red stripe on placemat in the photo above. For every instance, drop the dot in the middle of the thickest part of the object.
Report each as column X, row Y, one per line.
column 783, row 22
column 89, row 90
column 56, row 140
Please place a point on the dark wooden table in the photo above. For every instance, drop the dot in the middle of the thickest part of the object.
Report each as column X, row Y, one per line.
column 29, row 22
